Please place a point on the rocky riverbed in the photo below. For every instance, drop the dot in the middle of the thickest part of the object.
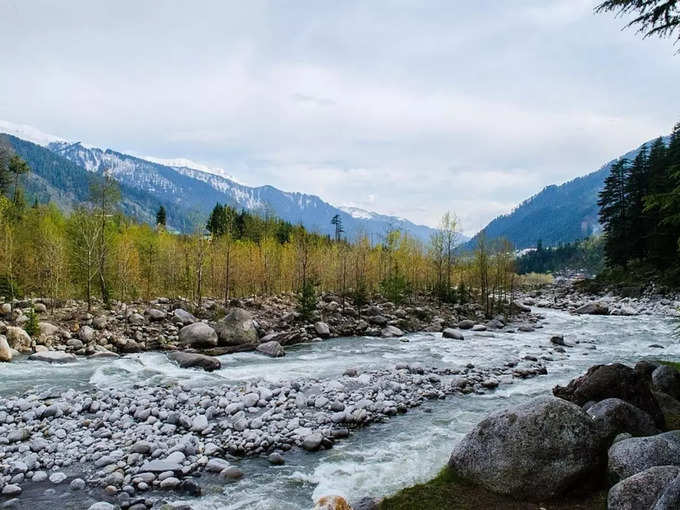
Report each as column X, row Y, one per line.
column 106, row 420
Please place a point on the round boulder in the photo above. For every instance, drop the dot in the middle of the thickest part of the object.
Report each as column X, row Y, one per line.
column 5, row 351
column 452, row 333
column 195, row 360
column 198, row 334
column 18, row 339
column 272, row 348
column 536, row 450
column 667, row 379
column 636, row 454
column 643, row 490
column 237, row 328
column 614, row 416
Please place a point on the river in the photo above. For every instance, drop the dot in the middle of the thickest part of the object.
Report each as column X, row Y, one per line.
column 382, row 458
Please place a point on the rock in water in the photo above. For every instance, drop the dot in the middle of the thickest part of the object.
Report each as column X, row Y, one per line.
column 18, row 339
column 636, row 454
column 53, row 357
column 596, row 308
column 391, row 332
column 322, row 329
column 237, row 328
column 643, row 490
column 5, row 351
column 452, row 333
column 194, row 360
column 273, row 349
column 332, row 503
column 612, row 381
column 536, row 450
column 198, row 334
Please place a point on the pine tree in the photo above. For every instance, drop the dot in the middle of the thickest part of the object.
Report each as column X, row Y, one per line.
column 161, row 217
column 18, row 167
column 637, row 187
column 337, row 221
column 613, row 214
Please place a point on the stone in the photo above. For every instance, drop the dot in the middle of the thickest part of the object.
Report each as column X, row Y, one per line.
column 231, row 473
column 670, row 408
column 53, row 357
column 322, row 329
column 642, row 490
column 160, row 466
column 466, row 324
column 5, row 351
column 452, row 333
column 11, row 490
column 276, row 459
column 184, row 317
column 74, row 344
column 216, row 465
column 86, row 334
column 332, row 503
column 615, row 416
column 536, row 450
column 48, row 329
column 391, row 332
column 667, row 379
column 636, row 454
column 77, row 484
column 198, row 334
column 595, row 308
column 558, row 340
column 195, row 360
column 237, row 328
column 612, row 381
column 312, row 442
column 102, row 505
column 199, row 423
column 670, row 498
column 155, row 314
column 170, row 483
column 57, row 478
column 272, row 348
column 18, row 339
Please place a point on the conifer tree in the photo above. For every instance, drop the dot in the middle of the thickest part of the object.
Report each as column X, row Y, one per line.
column 613, row 214
column 161, row 217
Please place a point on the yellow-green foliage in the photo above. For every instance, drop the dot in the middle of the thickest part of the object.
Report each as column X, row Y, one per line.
column 535, row 280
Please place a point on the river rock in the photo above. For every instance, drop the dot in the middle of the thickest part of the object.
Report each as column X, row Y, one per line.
column 612, row 381
column 86, row 334
column 452, row 333
column 595, row 308
column 5, row 351
column 198, row 334
column 642, row 490
column 312, row 442
column 332, row 503
column 536, row 450
column 614, row 416
column 184, row 317
column 195, row 360
column 667, row 379
column 272, row 348
column 634, row 455
column 237, row 328
column 466, row 324
column 155, row 314
column 391, row 332
column 322, row 329
column 48, row 329
column 53, row 357
column 670, row 408
column 670, row 498
column 18, row 339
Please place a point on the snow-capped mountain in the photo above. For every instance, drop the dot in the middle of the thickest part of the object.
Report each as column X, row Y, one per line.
column 191, row 190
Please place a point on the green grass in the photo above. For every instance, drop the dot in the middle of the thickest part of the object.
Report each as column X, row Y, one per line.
column 674, row 364
column 448, row 492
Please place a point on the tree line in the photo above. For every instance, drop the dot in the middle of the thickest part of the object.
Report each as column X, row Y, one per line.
column 96, row 252
column 640, row 211
column 585, row 256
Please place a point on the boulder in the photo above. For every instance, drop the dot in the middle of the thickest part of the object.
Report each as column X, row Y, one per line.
column 18, row 339
column 237, row 328
column 391, row 332
column 198, row 334
column 670, row 497
column 195, row 360
column 53, row 357
column 634, row 455
column 312, row 442
column 86, row 334
column 5, row 351
column 322, row 329
column 615, row 416
column 184, row 317
column 48, row 329
column 612, row 381
column 595, row 308
column 536, row 450
column 667, row 379
column 332, row 503
column 272, row 348
column 466, row 324
column 155, row 314
column 452, row 333
column 670, row 408
column 642, row 490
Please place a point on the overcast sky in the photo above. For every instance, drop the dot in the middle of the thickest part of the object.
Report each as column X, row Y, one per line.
column 402, row 107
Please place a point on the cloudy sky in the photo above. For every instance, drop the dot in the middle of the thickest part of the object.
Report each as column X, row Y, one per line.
column 403, row 107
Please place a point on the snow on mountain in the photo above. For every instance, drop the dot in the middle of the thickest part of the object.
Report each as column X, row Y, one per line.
column 179, row 163
column 356, row 212
column 30, row 133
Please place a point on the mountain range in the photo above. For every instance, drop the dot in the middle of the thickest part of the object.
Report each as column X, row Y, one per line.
column 188, row 191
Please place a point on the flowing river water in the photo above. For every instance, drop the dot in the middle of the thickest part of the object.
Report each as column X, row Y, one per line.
column 382, row 458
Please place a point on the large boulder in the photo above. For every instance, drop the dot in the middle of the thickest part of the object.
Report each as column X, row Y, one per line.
column 595, row 308
column 670, row 407
column 667, row 379
column 5, row 351
column 198, row 334
column 615, row 416
column 272, row 348
column 195, row 360
column 536, row 450
column 322, row 329
column 48, row 329
column 237, row 328
column 643, row 490
column 452, row 333
column 53, row 357
column 670, row 497
column 19, row 340
column 635, row 454
column 184, row 317
column 612, row 381
column 391, row 332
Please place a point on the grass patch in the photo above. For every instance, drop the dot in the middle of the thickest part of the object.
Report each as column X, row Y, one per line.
column 674, row 364
column 448, row 492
